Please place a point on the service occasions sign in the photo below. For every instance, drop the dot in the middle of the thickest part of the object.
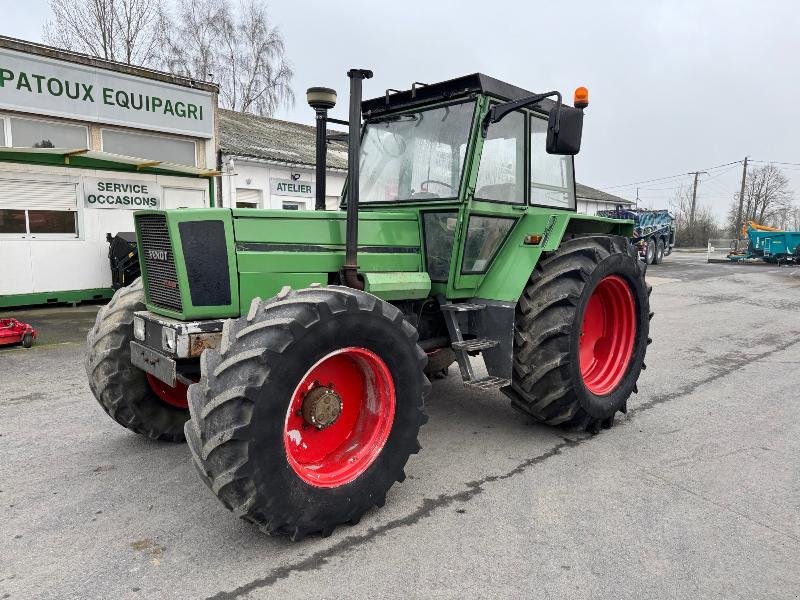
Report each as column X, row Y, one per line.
column 129, row 194
column 289, row 187
column 42, row 85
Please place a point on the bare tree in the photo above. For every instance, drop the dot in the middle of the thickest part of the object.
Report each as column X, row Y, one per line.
column 701, row 230
column 768, row 199
column 241, row 51
column 128, row 31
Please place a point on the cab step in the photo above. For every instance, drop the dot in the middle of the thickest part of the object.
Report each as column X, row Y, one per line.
column 488, row 383
column 474, row 345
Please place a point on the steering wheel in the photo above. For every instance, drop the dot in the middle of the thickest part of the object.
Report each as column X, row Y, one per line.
column 423, row 187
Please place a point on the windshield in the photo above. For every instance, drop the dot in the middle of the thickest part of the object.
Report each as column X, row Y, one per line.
column 415, row 156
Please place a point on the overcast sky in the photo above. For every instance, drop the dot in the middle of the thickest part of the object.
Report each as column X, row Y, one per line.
column 675, row 86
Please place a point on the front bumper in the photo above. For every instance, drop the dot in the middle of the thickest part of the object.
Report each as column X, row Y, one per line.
column 178, row 339
column 165, row 347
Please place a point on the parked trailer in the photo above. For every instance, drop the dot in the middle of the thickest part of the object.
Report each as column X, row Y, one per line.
column 767, row 243
column 653, row 233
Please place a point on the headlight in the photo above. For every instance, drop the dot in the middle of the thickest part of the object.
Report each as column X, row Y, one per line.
column 168, row 339
column 138, row 328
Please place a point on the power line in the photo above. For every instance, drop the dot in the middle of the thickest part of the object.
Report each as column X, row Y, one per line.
column 611, row 187
column 776, row 162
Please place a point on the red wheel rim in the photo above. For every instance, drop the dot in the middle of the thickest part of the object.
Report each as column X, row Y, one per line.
column 342, row 450
column 608, row 333
column 174, row 396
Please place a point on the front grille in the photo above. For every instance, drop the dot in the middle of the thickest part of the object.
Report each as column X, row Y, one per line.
column 158, row 260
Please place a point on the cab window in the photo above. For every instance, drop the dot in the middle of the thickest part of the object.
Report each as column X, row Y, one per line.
column 501, row 174
column 551, row 175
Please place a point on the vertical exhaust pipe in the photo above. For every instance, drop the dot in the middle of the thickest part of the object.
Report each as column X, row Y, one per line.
column 350, row 268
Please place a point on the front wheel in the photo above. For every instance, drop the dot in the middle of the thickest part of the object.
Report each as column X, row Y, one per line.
column 581, row 334
column 132, row 398
column 27, row 340
column 307, row 413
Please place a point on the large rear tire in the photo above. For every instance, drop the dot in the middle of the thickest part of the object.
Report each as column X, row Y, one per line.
column 123, row 390
column 309, row 410
column 581, row 334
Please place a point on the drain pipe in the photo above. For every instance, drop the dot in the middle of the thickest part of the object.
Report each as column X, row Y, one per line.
column 350, row 267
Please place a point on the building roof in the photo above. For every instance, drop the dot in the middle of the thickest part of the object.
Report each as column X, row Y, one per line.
column 242, row 134
column 584, row 192
column 101, row 63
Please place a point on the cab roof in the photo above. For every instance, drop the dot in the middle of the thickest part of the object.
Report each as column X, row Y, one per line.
column 421, row 94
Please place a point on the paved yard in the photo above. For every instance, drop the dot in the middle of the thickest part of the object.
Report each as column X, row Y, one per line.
column 694, row 494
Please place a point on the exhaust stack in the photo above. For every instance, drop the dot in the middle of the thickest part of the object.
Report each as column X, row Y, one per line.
column 350, row 267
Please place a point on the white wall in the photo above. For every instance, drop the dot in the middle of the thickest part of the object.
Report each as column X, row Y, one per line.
column 255, row 175
column 33, row 264
column 590, row 207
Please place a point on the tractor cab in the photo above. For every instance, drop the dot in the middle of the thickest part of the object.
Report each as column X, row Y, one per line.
column 470, row 157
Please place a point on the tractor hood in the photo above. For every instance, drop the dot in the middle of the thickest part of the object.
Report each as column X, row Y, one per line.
column 209, row 263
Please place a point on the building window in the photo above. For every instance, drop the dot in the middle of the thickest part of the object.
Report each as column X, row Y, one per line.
column 2, row 131
column 551, row 174
column 32, row 133
column 38, row 208
column 293, row 206
column 248, row 198
column 500, row 175
column 154, row 147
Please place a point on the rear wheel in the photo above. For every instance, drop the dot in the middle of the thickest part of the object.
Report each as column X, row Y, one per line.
column 650, row 251
column 132, row 398
column 659, row 257
column 307, row 413
column 581, row 334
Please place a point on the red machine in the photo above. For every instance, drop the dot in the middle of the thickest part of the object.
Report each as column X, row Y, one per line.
column 14, row 332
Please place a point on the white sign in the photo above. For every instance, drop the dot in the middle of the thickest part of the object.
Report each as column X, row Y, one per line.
column 129, row 194
column 40, row 85
column 290, row 187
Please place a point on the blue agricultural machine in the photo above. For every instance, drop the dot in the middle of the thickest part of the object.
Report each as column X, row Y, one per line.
column 653, row 232
column 766, row 243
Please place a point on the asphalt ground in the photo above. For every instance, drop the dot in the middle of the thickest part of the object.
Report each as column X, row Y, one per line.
column 694, row 494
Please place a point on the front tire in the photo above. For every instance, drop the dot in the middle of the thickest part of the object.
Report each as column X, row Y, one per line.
column 123, row 390
column 27, row 340
column 581, row 334
column 256, row 435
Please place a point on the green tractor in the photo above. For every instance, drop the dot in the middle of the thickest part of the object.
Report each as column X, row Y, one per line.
column 293, row 349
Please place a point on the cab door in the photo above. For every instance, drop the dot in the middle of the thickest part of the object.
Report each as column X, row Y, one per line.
column 495, row 202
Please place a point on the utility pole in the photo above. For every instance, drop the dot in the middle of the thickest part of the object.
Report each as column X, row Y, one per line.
column 637, row 197
column 694, row 194
column 741, row 201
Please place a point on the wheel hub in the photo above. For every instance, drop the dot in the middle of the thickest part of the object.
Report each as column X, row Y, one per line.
column 321, row 407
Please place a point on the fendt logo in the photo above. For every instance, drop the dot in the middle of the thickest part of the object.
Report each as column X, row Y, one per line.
column 161, row 255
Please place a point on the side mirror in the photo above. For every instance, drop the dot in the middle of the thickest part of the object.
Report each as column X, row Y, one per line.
column 564, row 130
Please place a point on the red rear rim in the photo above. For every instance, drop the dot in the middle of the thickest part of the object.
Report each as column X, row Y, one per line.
column 174, row 396
column 340, row 417
column 608, row 333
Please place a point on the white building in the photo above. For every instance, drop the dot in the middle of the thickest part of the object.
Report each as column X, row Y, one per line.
column 590, row 200
column 273, row 163
column 83, row 143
